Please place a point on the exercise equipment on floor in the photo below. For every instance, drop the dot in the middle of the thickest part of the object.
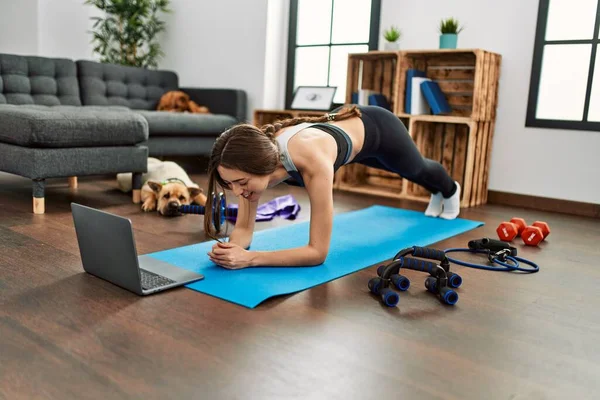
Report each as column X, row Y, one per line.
column 532, row 234
column 497, row 252
column 442, row 281
column 283, row 206
column 508, row 230
column 219, row 207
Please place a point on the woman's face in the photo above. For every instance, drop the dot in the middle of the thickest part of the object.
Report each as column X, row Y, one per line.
column 244, row 184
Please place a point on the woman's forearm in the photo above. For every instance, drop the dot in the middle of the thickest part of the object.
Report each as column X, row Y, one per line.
column 241, row 237
column 306, row 256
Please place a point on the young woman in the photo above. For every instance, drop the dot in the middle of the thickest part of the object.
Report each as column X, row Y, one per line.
column 307, row 152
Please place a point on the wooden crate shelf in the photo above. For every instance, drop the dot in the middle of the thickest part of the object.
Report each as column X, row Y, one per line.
column 463, row 148
column 461, row 141
column 468, row 78
column 262, row 117
column 376, row 70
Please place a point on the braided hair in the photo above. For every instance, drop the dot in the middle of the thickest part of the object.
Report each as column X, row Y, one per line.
column 254, row 150
column 343, row 114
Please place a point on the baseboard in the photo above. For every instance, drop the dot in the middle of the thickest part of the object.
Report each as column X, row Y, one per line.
column 544, row 204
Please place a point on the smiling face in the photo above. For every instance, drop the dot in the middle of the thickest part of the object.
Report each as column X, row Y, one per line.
column 244, row 184
column 243, row 158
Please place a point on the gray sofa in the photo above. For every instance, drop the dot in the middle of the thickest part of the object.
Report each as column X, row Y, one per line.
column 65, row 118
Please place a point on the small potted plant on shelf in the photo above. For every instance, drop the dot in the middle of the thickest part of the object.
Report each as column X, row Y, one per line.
column 449, row 29
column 391, row 36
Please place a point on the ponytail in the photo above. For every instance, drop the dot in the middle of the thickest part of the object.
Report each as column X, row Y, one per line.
column 345, row 113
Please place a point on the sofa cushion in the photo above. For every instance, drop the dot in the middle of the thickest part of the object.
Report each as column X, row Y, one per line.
column 70, row 126
column 134, row 87
column 165, row 123
column 38, row 80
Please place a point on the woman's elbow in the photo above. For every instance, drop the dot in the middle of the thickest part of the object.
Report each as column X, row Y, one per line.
column 319, row 257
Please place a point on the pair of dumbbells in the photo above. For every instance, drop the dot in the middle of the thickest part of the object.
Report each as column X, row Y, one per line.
column 532, row 234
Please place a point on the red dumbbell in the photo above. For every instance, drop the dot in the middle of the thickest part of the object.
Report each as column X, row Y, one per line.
column 534, row 234
column 507, row 231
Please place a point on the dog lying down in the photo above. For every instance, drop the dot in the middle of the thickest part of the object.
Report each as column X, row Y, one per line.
column 166, row 187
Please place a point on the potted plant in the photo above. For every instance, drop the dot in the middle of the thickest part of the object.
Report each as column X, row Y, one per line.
column 449, row 29
column 391, row 36
column 127, row 32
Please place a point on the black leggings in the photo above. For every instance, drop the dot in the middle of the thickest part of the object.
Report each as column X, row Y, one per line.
column 388, row 146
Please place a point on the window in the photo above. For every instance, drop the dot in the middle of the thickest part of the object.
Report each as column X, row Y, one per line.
column 321, row 35
column 564, row 89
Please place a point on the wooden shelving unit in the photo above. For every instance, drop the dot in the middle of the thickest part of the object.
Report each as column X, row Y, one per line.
column 460, row 141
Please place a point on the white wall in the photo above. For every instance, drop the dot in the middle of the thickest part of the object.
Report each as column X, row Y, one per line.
column 561, row 164
column 218, row 44
column 275, row 61
column 18, row 27
column 63, row 29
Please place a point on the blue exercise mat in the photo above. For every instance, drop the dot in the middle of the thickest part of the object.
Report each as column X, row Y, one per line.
column 359, row 239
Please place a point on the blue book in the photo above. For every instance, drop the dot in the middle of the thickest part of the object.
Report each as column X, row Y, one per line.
column 410, row 73
column 435, row 97
column 379, row 100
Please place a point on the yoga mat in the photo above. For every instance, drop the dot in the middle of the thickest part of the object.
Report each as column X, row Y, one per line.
column 359, row 239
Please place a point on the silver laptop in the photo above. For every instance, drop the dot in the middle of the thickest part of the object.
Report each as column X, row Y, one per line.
column 108, row 251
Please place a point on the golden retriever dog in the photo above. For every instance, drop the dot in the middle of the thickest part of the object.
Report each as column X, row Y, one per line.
column 178, row 101
column 166, row 187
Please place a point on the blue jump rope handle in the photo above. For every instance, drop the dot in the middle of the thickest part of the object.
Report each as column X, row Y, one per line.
column 220, row 210
column 426, row 252
column 418, row 265
column 200, row 210
column 192, row 209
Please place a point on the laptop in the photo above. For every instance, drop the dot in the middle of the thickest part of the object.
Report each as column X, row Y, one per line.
column 108, row 251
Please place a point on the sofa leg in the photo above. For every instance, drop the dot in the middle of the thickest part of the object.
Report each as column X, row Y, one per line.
column 38, row 196
column 39, row 205
column 73, row 182
column 136, row 184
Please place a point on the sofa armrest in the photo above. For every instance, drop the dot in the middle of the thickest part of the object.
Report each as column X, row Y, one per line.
column 220, row 101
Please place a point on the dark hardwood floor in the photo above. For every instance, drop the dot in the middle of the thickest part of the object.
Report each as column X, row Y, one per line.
column 67, row 335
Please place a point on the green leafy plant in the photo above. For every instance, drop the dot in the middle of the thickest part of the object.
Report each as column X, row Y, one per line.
column 450, row 25
column 127, row 33
column 392, row 34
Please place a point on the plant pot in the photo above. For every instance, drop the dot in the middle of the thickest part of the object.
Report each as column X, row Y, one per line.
column 391, row 46
column 448, row 40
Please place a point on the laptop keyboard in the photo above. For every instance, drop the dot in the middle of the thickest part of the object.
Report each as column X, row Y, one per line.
column 151, row 280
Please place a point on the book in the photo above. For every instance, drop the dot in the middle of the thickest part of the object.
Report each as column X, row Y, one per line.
column 435, row 97
column 419, row 104
column 411, row 73
column 378, row 99
column 363, row 96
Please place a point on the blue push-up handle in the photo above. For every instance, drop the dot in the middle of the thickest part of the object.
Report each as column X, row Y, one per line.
column 454, row 280
column 426, row 252
column 389, row 297
column 418, row 265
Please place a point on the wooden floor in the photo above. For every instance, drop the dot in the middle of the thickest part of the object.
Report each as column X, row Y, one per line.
column 68, row 335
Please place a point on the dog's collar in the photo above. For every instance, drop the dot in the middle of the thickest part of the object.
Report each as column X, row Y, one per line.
column 171, row 180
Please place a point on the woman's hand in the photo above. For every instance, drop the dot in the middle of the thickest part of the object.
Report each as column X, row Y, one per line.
column 230, row 256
